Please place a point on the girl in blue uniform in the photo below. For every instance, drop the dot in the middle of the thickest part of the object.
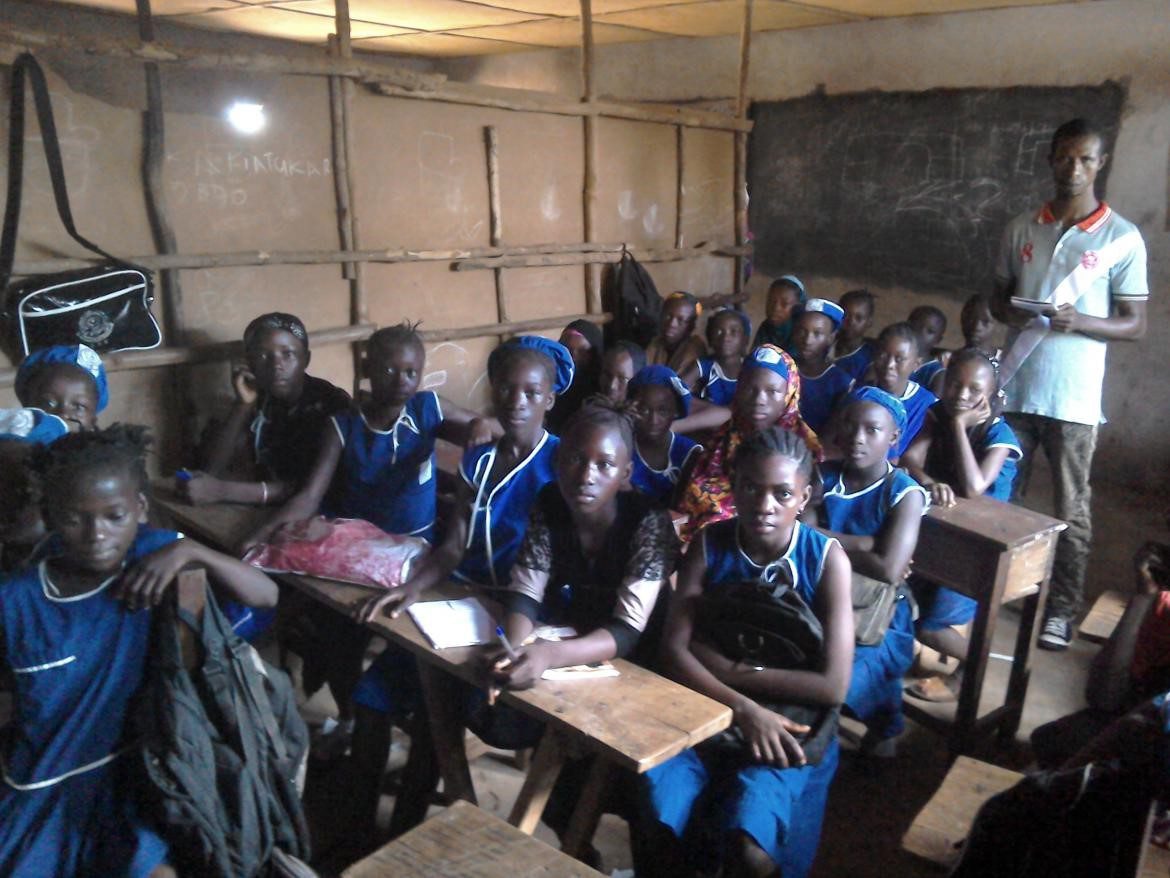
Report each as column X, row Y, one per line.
column 499, row 482
column 852, row 351
column 75, row 631
column 964, row 450
column 660, row 454
column 376, row 462
column 931, row 325
column 875, row 511
column 379, row 458
column 822, row 384
column 762, row 795
column 713, row 378
column 896, row 356
column 68, row 381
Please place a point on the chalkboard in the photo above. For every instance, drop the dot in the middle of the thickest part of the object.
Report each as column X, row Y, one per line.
column 907, row 188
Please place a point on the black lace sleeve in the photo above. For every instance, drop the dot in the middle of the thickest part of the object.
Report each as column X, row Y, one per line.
column 656, row 548
column 536, row 550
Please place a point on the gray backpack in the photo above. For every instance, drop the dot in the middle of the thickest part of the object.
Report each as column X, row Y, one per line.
column 220, row 748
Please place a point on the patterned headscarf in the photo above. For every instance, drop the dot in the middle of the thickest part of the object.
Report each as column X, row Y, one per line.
column 707, row 496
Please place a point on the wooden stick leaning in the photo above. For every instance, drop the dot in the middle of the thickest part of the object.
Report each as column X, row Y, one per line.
column 593, row 303
column 740, row 193
column 495, row 221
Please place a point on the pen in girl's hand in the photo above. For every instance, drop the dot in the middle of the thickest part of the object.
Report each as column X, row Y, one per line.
column 506, row 644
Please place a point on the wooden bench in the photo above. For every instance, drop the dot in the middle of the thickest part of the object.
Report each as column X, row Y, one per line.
column 941, row 826
column 1103, row 618
column 465, row 842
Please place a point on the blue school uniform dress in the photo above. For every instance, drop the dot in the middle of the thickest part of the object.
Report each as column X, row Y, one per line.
column 387, row 477
column 780, row 808
column 925, row 373
column 499, row 513
column 77, row 663
column 499, row 517
column 856, row 362
column 875, row 689
column 917, row 400
column 717, row 387
column 941, row 607
column 660, row 483
column 820, row 394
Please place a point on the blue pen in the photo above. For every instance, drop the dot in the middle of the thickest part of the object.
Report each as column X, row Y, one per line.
column 507, row 645
column 183, row 475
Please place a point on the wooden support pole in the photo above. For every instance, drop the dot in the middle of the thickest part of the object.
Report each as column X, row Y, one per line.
column 341, row 169
column 248, row 258
column 182, row 415
column 680, row 196
column 596, row 259
column 495, row 221
column 593, row 303
column 740, row 195
column 524, row 101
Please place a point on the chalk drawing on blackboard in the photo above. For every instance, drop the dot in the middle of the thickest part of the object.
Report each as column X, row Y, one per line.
column 909, row 188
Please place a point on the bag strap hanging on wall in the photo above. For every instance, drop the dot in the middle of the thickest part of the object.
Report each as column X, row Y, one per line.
column 27, row 68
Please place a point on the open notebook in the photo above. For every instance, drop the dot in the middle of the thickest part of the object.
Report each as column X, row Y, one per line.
column 467, row 622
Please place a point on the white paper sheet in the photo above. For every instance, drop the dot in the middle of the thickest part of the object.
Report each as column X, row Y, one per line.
column 463, row 622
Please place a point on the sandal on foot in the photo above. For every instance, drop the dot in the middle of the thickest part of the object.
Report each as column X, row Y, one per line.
column 934, row 689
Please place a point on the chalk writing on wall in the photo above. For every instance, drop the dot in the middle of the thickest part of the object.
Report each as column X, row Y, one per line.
column 237, row 188
column 909, row 189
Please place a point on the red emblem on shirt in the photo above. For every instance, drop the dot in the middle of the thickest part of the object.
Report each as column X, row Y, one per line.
column 1026, row 253
column 1089, row 259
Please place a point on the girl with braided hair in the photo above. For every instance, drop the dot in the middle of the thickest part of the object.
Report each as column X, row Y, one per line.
column 761, row 793
column 74, row 630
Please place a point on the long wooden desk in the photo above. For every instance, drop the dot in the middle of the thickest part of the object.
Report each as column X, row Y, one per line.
column 634, row 721
column 993, row 552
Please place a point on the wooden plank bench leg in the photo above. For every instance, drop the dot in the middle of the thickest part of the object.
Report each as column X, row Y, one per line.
column 586, row 815
column 538, row 783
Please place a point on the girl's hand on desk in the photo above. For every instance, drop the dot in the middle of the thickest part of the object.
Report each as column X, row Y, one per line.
column 199, row 489
column 771, row 735
column 522, row 673
column 942, row 494
column 391, row 604
column 145, row 584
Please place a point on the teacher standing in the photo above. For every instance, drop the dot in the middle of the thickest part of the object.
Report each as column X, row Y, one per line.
column 1079, row 270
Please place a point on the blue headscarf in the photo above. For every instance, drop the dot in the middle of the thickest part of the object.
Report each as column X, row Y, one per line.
column 887, row 401
column 768, row 357
column 31, row 425
column 562, row 360
column 821, row 306
column 663, row 376
column 793, row 281
column 82, row 356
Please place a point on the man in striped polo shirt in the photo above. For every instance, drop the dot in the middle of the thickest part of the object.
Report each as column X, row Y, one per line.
column 1071, row 277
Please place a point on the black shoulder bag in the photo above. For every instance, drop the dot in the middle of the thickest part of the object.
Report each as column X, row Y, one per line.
column 106, row 306
column 769, row 625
